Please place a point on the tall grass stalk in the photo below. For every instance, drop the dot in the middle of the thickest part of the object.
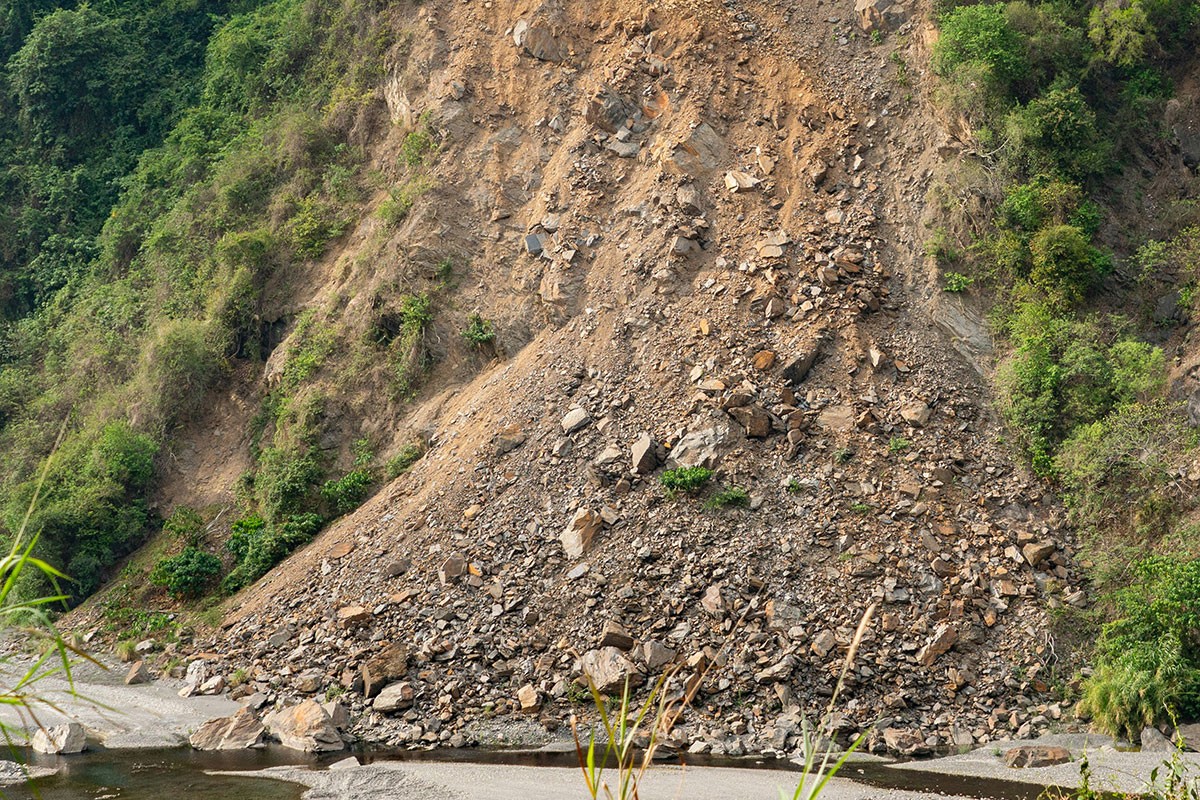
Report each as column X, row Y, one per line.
column 31, row 618
column 622, row 731
column 621, row 737
column 819, row 775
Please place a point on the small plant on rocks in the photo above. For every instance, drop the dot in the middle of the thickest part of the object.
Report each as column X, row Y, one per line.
column 478, row 332
column 685, row 480
column 735, row 496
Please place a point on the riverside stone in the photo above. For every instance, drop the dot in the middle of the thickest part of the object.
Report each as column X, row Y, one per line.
column 60, row 739
column 1032, row 756
column 530, row 700
column 138, row 673
column 242, row 730
column 305, row 727
column 607, row 668
column 379, row 671
column 395, row 697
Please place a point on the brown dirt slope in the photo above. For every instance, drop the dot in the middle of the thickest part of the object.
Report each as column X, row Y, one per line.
column 665, row 303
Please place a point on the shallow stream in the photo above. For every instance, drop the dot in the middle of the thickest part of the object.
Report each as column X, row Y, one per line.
column 180, row 773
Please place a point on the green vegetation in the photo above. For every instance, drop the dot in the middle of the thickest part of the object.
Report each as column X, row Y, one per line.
column 347, row 493
column 400, row 199
column 733, row 497
column 188, row 574
column 1066, row 373
column 898, row 444
column 417, row 146
column 125, row 650
column 162, row 162
column 400, row 463
column 185, row 524
column 956, row 282
column 478, row 331
column 1148, row 662
column 685, row 480
column 1054, row 93
column 257, row 545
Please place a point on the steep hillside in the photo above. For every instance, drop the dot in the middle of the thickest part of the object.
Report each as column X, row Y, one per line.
column 696, row 225
column 516, row 283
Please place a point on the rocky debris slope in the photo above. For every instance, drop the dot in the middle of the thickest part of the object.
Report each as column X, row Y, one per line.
column 703, row 216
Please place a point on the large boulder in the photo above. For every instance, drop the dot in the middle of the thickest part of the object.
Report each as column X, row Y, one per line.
column 305, row 727
column 59, row 739
column 242, row 730
column 396, row 697
column 577, row 537
column 1036, row 755
column 607, row 668
column 379, row 671
column 700, row 447
column 880, row 14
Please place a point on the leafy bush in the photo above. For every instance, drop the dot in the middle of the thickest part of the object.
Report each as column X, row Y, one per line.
column 478, row 331
column 347, row 493
column 315, row 223
column 285, row 481
column 1062, row 376
column 188, row 574
column 416, row 147
column 1056, row 133
column 1117, row 471
column 1148, row 666
column 257, row 545
column 1063, row 262
column 735, row 496
column 981, row 35
column 955, row 282
column 686, row 480
column 1122, row 33
column 185, row 524
column 179, row 366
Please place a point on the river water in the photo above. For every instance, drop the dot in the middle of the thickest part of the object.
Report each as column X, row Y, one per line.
column 181, row 773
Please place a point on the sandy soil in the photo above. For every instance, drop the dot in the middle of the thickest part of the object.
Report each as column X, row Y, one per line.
column 443, row 781
column 115, row 715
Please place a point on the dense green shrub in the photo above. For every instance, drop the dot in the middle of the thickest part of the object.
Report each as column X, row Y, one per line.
column 179, row 365
column 188, row 574
column 185, row 524
column 347, row 493
column 1117, row 471
column 1061, row 376
column 1057, row 134
column 1063, row 262
column 285, row 481
column 981, row 34
column 1148, row 666
column 1122, row 32
column 257, row 545
column 685, row 480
